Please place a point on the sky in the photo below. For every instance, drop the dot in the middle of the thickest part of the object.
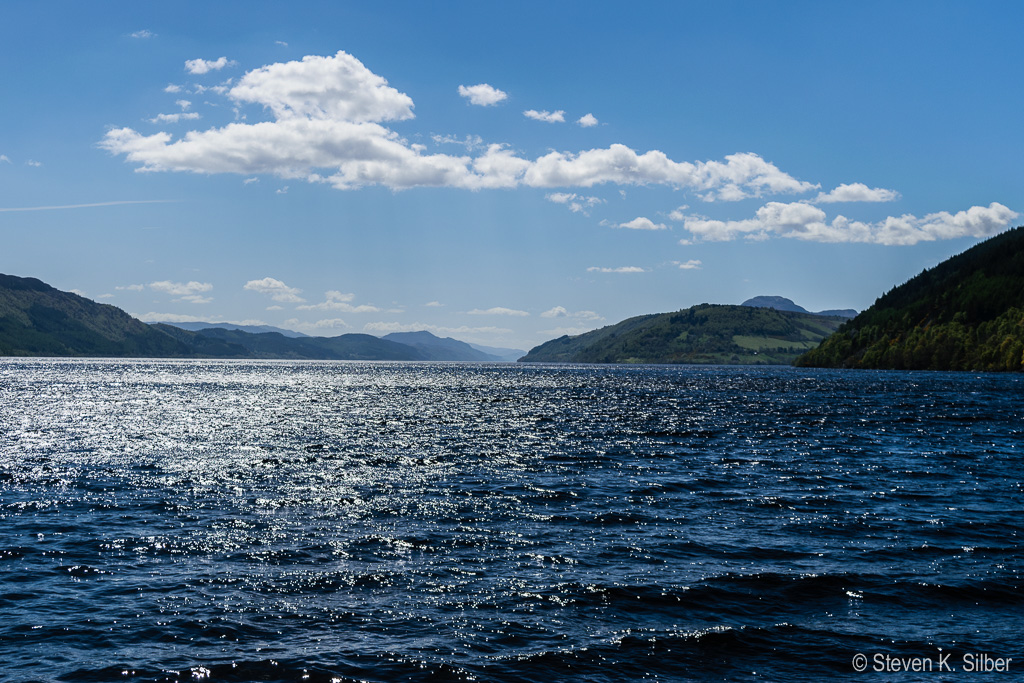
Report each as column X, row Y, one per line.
column 502, row 173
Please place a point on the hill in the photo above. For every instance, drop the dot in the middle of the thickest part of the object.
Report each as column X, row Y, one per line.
column 197, row 325
column 218, row 342
column 967, row 313
column 701, row 334
column 781, row 303
column 437, row 348
column 38, row 320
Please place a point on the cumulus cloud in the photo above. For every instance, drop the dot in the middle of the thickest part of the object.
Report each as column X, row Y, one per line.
column 143, row 34
column 621, row 269
column 577, row 203
column 802, row 221
column 5, row 158
column 434, row 304
column 587, row 120
column 338, row 88
column 202, row 66
column 337, row 301
column 277, row 290
column 856, row 192
column 131, row 288
column 641, row 223
column 182, row 289
column 328, row 116
column 545, row 115
column 482, row 95
column 498, row 310
column 692, row 264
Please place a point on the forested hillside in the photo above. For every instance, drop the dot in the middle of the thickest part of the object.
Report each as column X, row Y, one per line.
column 967, row 313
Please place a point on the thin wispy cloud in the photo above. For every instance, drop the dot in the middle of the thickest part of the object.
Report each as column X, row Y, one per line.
column 59, row 207
column 620, row 269
column 499, row 310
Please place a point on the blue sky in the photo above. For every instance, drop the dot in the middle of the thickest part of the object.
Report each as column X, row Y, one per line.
column 500, row 173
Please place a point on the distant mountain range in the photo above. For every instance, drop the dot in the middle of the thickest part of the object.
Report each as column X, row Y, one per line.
column 39, row 320
column 967, row 313
column 195, row 326
column 701, row 334
column 781, row 303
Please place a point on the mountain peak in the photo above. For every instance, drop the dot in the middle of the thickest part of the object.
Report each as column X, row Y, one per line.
column 779, row 303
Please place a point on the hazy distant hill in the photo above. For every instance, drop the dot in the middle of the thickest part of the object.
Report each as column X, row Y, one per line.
column 701, row 334
column 967, row 313
column 438, row 348
column 38, row 320
column 503, row 354
column 217, row 342
column 195, row 326
column 781, row 303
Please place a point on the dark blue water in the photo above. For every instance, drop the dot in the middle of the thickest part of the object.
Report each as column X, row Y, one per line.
column 242, row 521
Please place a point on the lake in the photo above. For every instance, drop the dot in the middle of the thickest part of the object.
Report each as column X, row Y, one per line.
column 303, row 521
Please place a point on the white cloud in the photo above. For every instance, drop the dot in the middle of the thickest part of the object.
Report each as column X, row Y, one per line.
column 250, row 181
column 131, row 288
column 561, row 312
column 195, row 299
column 4, row 157
column 33, row 163
column 641, row 223
column 172, row 88
column 677, row 214
column 434, row 304
column 184, row 104
column 182, row 289
column 739, row 176
column 577, row 203
column 319, row 325
column 587, row 120
column 337, row 88
column 856, row 192
column 143, row 34
column 174, row 118
column 802, row 221
column 621, row 269
column 545, row 115
column 336, row 301
column 327, row 128
column 499, row 310
column 202, row 66
column 482, row 95
column 105, row 296
column 277, row 290
column 692, row 264
column 470, row 142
